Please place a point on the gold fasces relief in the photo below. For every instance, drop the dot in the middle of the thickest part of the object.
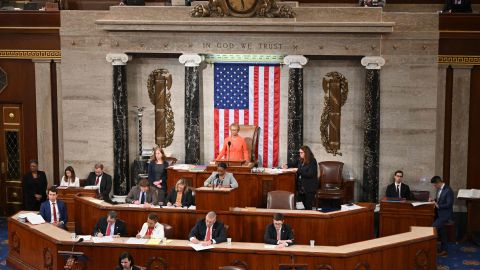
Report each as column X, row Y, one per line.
column 159, row 84
column 243, row 8
column 335, row 86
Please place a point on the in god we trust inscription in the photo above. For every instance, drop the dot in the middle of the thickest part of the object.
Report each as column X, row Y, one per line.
column 243, row 8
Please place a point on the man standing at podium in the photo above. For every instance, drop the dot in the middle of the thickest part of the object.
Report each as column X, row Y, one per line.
column 234, row 147
column 221, row 178
column 208, row 231
column 443, row 211
column 398, row 189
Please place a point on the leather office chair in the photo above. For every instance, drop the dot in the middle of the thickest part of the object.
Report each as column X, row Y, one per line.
column 420, row 195
column 280, row 199
column 250, row 134
column 332, row 184
column 168, row 229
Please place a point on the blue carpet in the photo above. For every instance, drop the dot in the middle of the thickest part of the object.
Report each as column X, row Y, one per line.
column 460, row 256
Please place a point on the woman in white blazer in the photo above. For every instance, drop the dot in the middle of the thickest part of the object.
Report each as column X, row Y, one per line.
column 152, row 228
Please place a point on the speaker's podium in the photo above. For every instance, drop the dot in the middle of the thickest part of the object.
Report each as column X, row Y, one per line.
column 234, row 166
column 215, row 199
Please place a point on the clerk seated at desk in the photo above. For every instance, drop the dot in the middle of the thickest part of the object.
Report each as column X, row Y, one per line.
column 221, row 178
column 397, row 189
column 152, row 228
column 110, row 226
column 142, row 194
column 208, row 231
column 69, row 179
column 54, row 211
column 180, row 195
column 102, row 180
column 279, row 233
column 234, row 147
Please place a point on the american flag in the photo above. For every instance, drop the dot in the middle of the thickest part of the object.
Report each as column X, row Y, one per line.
column 248, row 94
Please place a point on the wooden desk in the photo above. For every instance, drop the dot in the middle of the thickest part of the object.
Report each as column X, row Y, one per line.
column 246, row 225
column 398, row 217
column 417, row 249
column 67, row 195
column 252, row 187
column 219, row 199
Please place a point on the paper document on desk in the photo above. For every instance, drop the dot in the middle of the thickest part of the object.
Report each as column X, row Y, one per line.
column 85, row 237
column 105, row 239
column 269, row 246
column 135, row 205
column 199, row 247
column 34, row 218
column 91, row 187
column 415, row 204
column 351, row 207
column 154, row 241
column 469, row 193
column 138, row 241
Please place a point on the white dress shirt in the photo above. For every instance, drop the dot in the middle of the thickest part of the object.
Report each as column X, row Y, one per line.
column 56, row 210
column 158, row 231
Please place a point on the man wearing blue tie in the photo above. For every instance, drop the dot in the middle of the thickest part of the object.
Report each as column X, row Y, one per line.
column 443, row 211
column 142, row 194
column 54, row 211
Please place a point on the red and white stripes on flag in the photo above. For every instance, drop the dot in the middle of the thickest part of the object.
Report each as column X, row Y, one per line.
column 234, row 83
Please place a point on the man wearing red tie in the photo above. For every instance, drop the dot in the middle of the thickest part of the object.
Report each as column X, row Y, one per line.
column 102, row 180
column 208, row 231
column 54, row 211
column 110, row 226
column 279, row 233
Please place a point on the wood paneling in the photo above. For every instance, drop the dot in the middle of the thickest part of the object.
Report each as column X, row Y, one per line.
column 245, row 226
column 417, row 250
column 459, row 34
column 398, row 217
column 252, row 187
column 67, row 195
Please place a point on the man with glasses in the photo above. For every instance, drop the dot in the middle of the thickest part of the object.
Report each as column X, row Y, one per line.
column 278, row 233
column 397, row 189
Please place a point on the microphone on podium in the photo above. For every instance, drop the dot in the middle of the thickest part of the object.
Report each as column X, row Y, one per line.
column 78, row 241
column 228, row 155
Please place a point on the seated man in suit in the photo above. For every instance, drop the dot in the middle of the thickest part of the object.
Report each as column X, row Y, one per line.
column 152, row 228
column 142, row 194
column 180, row 195
column 102, row 180
column 54, row 211
column 110, row 226
column 208, row 231
column 221, row 178
column 278, row 233
column 398, row 189
column 443, row 211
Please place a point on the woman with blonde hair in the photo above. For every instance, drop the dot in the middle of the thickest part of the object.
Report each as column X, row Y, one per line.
column 180, row 195
column 69, row 179
column 157, row 171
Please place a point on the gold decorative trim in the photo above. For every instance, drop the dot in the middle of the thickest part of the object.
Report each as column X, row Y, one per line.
column 459, row 59
column 31, row 54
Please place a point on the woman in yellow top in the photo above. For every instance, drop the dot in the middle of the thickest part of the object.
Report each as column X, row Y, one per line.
column 238, row 147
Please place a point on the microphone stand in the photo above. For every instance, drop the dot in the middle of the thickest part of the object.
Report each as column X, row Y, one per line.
column 228, row 155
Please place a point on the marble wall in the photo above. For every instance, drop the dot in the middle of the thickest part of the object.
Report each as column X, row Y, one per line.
column 409, row 137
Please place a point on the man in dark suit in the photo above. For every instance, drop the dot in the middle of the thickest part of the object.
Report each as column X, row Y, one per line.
column 279, row 233
column 208, row 231
column 110, row 226
column 102, row 180
column 142, row 194
column 443, row 211
column 398, row 189
column 54, row 211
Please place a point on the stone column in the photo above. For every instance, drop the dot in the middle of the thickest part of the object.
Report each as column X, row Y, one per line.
column 371, row 140
column 192, row 107
column 43, row 94
column 120, row 123
column 295, row 104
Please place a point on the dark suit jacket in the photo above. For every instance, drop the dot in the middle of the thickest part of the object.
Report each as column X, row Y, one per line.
column 445, row 205
column 187, row 197
column 307, row 176
column 151, row 174
column 391, row 191
column 134, row 195
column 105, row 185
column 286, row 233
column 45, row 211
column 101, row 226
column 33, row 186
column 200, row 230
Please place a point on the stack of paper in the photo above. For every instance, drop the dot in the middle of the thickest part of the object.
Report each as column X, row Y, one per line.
column 105, row 239
column 199, row 247
column 138, row 241
column 469, row 193
column 415, row 204
column 85, row 237
column 32, row 218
